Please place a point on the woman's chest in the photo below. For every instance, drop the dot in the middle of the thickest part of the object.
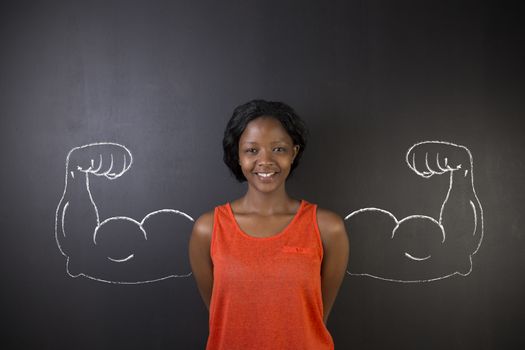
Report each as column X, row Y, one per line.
column 253, row 269
column 263, row 226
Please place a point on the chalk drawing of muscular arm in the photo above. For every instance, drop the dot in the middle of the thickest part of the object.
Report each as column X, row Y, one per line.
column 117, row 249
column 421, row 248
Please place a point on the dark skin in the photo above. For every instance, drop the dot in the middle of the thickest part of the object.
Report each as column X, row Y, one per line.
column 266, row 153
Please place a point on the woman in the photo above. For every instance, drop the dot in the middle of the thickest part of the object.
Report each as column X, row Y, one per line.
column 267, row 266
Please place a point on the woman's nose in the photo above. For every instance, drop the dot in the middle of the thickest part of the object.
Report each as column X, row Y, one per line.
column 265, row 157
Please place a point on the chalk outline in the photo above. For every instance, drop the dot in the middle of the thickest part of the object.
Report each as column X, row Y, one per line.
column 427, row 175
column 110, row 176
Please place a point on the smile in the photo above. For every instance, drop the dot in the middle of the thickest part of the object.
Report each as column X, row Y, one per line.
column 265, row 174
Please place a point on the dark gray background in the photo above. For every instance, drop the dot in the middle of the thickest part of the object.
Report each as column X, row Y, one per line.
column 162, row 77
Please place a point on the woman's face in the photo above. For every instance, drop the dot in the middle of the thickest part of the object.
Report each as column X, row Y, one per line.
column 266, row 153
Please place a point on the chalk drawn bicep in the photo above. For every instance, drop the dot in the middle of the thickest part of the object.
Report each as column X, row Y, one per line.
column 118, row 249
column 119, row 238
column 420, row 236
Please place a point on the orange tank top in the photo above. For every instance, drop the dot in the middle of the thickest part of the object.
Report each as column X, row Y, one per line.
column 267, row 291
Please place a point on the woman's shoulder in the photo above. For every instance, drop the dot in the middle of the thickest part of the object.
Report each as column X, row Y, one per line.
column 203, row 226
column 204, row 223
column 330, row 224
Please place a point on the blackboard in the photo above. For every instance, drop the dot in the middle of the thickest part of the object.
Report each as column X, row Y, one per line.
column 153, row 83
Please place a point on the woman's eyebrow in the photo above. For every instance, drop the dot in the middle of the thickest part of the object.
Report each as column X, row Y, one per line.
column 273, row 142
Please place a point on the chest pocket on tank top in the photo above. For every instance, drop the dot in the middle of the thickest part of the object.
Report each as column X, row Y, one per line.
column 307, row 251
column 297, row 265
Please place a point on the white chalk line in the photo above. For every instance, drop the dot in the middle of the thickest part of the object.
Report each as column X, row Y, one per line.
column 371, row 209
column 91, row 198
column 122, row 260
column 475, row 218
column 114, row 218
column 111, row 176
column 420, row 217
column 416, row 258
column 167, row 211
column 63, row 216
column 123, row 282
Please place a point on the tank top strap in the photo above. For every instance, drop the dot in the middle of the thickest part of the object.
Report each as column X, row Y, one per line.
column 223, row 223
column 304, row 235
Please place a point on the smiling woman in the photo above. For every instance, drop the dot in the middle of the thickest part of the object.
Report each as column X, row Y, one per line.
column 266, row 153
column 293, row 126
column 267, row 266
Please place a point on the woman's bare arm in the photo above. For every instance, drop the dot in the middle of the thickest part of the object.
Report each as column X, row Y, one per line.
column 335, row 257
column 200, row 258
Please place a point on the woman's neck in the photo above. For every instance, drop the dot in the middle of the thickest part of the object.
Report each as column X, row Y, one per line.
column 266, row 203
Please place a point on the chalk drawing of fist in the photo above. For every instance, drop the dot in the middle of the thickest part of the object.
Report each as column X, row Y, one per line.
column 420, row 248
column 117, row 249
column 100, row 159
column 436, row 158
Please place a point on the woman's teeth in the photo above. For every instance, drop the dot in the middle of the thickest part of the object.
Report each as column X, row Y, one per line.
column 265, row 174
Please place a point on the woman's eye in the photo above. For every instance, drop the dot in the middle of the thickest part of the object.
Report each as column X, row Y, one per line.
column 251, row 150
column 279, row 149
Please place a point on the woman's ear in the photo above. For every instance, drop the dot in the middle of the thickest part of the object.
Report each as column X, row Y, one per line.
column 295, row 151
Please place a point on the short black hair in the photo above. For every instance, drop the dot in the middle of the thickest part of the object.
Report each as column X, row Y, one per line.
column 245, row 113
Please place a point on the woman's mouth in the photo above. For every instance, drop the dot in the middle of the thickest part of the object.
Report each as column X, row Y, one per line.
column 266, row 176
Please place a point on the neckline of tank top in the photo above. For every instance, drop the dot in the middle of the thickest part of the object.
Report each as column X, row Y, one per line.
column 274, row 236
